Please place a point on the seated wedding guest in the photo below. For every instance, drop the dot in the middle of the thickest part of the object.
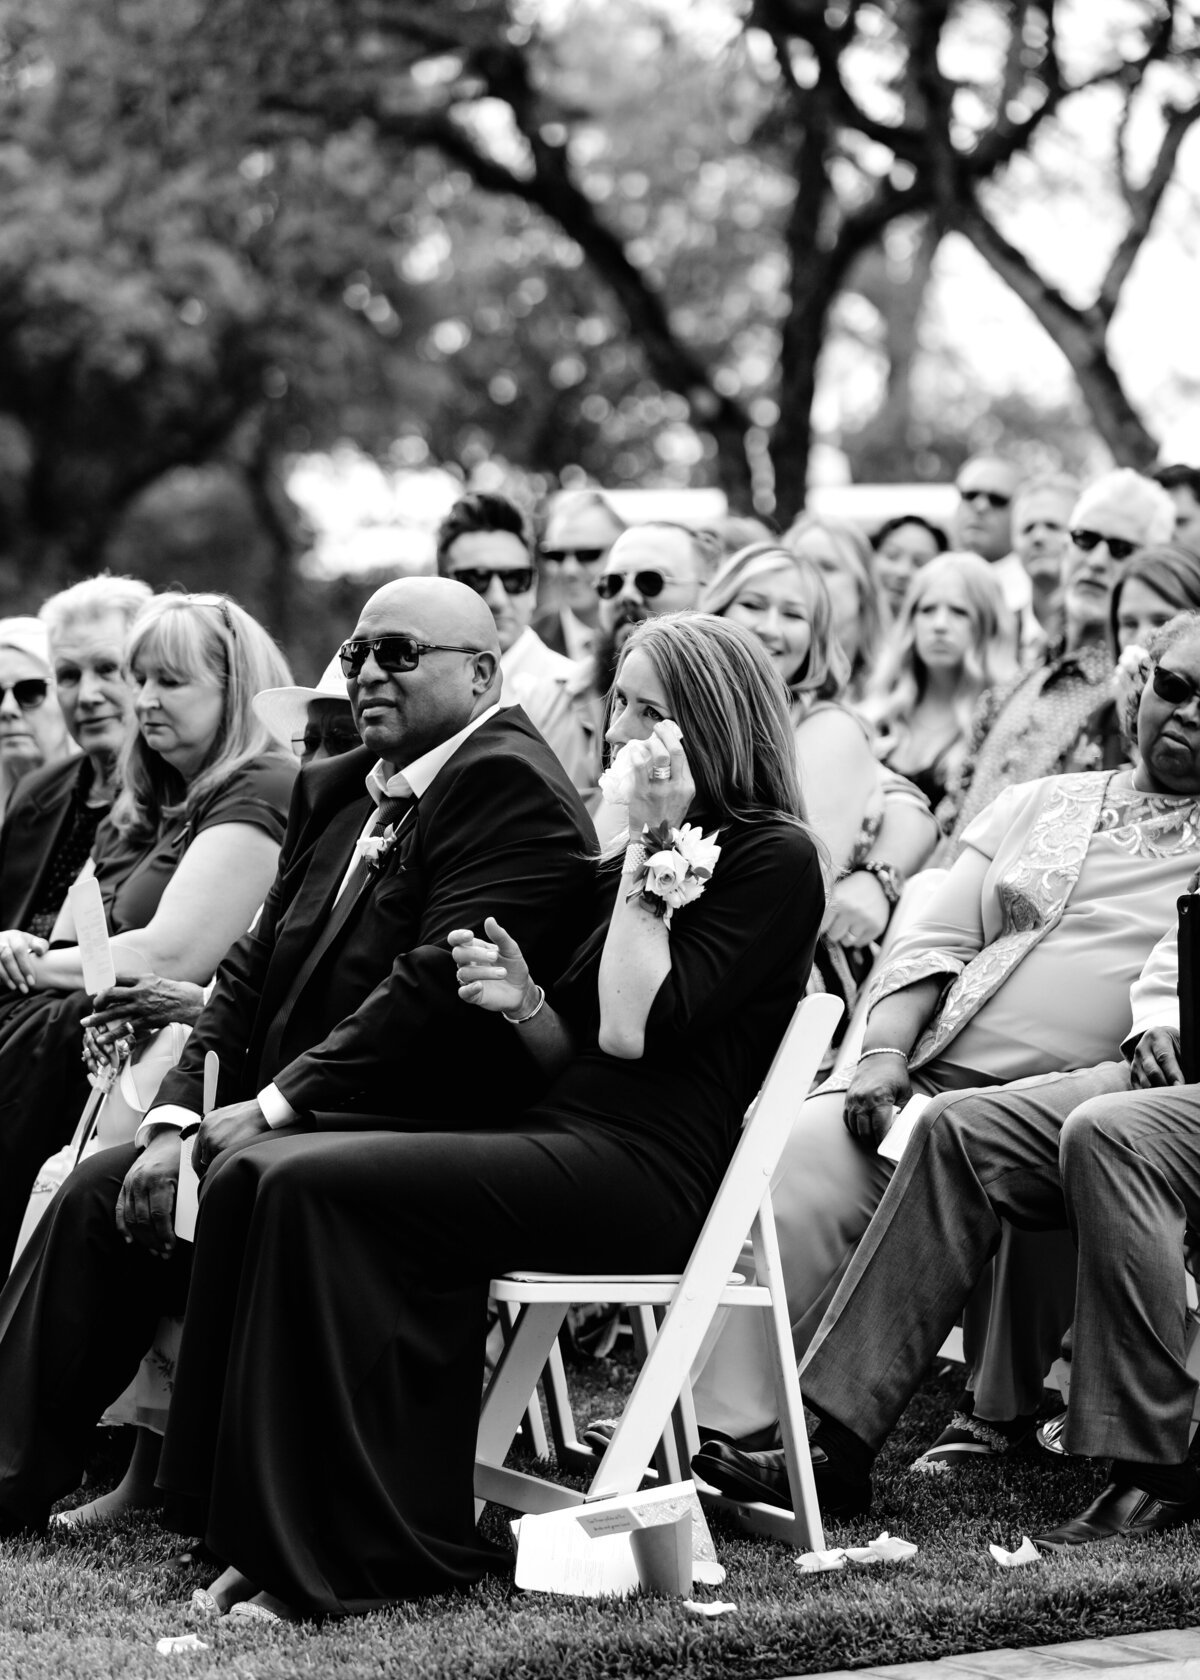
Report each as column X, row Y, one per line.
column 1041, row 522
column 875, row 837
column 1027, row 728
column 316, row 723
column 486, row 542
column 1111, row 1153
column 370, row 1255
column 953, row 638
column 1019, row 965
column 344, row 994
column 1182, row 484
column 51, row 822
column 183, row 862
column 33, row 731
column 581, row 528
column 842, row 555
column 902, row 546
column 1157, row 583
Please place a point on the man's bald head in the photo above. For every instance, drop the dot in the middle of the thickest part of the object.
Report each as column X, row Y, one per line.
column 450, row 633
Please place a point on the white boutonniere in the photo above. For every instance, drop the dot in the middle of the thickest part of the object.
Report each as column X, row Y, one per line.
column 678, row 866
column 375, row 849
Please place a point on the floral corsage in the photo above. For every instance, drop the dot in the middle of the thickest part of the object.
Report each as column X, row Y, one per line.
column 674, row 869
column 376, row 849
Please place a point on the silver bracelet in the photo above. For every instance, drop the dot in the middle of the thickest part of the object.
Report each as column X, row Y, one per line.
column 884, row 1050
column 520, row 1020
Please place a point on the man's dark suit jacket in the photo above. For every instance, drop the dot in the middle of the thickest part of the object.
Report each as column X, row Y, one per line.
column 369, row 1020
column 39, row 808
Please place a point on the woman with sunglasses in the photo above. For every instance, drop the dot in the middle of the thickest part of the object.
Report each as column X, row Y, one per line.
column 183, row 862
column 486, row 542
column 33, row 731
column 1018, row 965
column 1027, row 728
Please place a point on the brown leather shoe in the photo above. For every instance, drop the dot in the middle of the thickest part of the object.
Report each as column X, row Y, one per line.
column 1120, row 1510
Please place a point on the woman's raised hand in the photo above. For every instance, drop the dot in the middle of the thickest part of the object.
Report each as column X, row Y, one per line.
column 17, row 951
column 663, row 789
column 879, row 1086
column 492, row 973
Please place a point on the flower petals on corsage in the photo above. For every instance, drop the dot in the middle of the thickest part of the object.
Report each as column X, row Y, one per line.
column 678, row 865
column 375, row 849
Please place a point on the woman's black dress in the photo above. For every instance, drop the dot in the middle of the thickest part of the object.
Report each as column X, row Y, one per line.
column 327, row 1397
column 43, row 1083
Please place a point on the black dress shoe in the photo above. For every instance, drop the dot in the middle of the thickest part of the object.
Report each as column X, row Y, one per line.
column 763, row 1477
column 1120, row 1509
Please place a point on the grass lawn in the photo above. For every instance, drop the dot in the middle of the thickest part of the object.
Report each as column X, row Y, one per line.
column 94, row 1607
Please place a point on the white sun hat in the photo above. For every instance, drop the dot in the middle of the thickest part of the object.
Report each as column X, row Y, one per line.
column 284, row 710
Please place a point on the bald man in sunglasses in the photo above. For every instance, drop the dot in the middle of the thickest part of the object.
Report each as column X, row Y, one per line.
column 342, row 1004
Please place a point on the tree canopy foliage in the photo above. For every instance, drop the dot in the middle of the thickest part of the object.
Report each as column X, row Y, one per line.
column 624, row 238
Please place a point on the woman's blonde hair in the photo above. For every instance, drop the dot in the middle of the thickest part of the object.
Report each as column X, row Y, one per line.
column 731, row 707
column 826, row 669
column 198, row 637
column 856, row 558
column 900, row 677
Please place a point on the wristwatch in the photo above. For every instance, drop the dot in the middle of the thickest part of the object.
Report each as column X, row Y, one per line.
column 888, row 876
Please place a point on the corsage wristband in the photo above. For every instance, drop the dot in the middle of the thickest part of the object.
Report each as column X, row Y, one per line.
column 673, row 870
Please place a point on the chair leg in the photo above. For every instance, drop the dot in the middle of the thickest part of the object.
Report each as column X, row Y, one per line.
column 787, row 1382
column 532, row 1427
column 569, row 1451
column 515, row 1379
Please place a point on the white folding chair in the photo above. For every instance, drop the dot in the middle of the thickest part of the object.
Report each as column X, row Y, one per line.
column 659, row 1412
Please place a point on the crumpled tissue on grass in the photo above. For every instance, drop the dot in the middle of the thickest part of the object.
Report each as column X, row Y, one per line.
column 885, row 1548
column 711, row 1607
column 1026, row 1552
column 177, row 1643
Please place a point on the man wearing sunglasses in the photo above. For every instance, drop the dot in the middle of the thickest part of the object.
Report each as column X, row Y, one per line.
column 342, row 1001
column 486, row 542
column 581, row 528
column 1028, row 728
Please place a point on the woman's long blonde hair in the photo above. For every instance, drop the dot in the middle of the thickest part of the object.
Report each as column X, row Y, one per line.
column 900, row 676
column 826, row 669
column 198, row 637
column 731, row 708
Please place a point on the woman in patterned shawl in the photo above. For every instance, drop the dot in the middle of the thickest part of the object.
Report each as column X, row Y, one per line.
column 1020, row 964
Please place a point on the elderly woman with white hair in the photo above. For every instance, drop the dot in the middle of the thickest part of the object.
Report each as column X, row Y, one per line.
column 1028, row 727
column 51, row 821
column 32, row 730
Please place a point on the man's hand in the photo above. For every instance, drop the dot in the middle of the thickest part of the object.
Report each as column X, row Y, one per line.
column 224, row 1129
column 146, row 1205
column 880, row 1084
column 1156, row 1059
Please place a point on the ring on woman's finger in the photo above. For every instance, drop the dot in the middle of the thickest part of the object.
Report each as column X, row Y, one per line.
column 663, row 775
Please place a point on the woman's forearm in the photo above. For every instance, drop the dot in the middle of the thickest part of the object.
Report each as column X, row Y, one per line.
column 544, row 1034
column 907, row 835
column 898, row 1020
column 635, row 962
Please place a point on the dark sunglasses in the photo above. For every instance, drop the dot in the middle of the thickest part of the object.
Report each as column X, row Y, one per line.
column 994, row 498
column 648, row 584
column 392, row 653
column 335, row 740
column 479, row 578
column 1171, row 686
column 585, row 556
column 1119, row 547
column 29, row 692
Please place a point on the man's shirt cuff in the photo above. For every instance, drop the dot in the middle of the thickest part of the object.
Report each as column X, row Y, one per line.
column 277, row 1110
column 171, row 1117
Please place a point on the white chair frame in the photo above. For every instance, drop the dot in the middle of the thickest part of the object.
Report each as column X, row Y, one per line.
column 675, row 1316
